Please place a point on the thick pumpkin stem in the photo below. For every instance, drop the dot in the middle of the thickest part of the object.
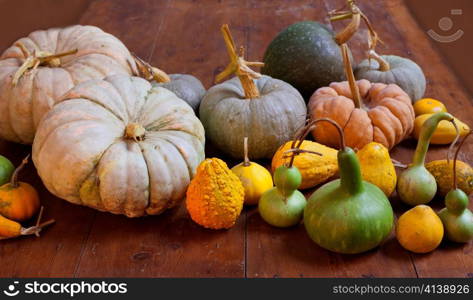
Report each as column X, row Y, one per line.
column 14, row 177
column 239, row 66
column 148, row 72
column 455, row 186
column 38, row 58
column 355, row 92
column 135, row 132
column 356, row 15
column 383, row 64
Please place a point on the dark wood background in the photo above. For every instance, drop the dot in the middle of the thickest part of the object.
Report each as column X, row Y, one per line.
column 183, row 36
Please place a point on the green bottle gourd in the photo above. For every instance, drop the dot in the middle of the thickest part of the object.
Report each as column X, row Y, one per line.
column 283, row 205
column 348, row 215
column 416, row 185
column 457, row 219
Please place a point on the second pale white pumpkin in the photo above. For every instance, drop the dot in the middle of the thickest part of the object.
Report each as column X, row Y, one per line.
column 119, row 145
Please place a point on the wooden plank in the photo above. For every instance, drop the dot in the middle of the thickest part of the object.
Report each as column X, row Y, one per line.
column 276, row 252
column 187, row 39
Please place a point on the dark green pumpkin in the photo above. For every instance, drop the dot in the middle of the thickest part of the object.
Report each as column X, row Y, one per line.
column 348, row 215
column 305, row 55
column 401, row 71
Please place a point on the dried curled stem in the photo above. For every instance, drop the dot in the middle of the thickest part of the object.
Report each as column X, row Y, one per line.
column 455, row 186
column 38, row 226
column 356, row 15
column 14, row 177
column 246, row 161
column 239, row 66
column 148, row 72
column 455, row 140
column 383, row 64
column 36, row 59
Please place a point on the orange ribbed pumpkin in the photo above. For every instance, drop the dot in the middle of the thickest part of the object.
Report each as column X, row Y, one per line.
column 386, row 115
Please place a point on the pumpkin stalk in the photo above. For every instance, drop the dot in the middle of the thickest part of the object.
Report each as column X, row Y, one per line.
column 135, row 132
column 239, row 66
column 455, row 186
column 36, row 59
column 38, row 227
column 14, row 177
column 148, row 72
column 383, row 64
column 246, row 161
column 345, row 35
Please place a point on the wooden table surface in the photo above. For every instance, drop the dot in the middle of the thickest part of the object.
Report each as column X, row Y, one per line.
column 183, row 36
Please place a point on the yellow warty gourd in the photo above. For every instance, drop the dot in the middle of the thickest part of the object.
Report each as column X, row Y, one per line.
column 215, row 196
column 315, row 169
column 377, row 167
column 443, row 171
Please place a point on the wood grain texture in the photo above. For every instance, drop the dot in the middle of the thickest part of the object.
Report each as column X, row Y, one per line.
column 184, row 36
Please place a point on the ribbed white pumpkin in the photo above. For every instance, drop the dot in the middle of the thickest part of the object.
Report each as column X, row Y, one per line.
column 119, row 145
column 22, row 105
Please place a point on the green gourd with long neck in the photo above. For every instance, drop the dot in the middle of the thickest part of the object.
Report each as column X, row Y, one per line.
column 416, row 185
column 457, row 219
column 348, row 215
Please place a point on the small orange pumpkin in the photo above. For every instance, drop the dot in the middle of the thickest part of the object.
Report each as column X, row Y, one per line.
column 385, row 114
column 19, row 201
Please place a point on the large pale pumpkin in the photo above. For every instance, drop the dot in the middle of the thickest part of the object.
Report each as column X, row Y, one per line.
column 119, row 145
column 26, row 95
column 386, row 115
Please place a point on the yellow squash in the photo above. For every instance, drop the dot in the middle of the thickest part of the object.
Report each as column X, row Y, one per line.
column 215, row 195
column 428, row 106
column 443, row 171
column 12, row 229
column 377, row 167
column 315, row 169
column 255, row 178
column 445, row 132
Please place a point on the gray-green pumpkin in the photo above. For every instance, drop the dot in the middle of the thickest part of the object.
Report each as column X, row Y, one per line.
column 186, row 87
column 305, row 55
column 268, row 121
column 398, row 70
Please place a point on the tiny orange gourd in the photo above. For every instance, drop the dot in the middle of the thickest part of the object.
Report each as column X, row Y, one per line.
column 19, row 201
